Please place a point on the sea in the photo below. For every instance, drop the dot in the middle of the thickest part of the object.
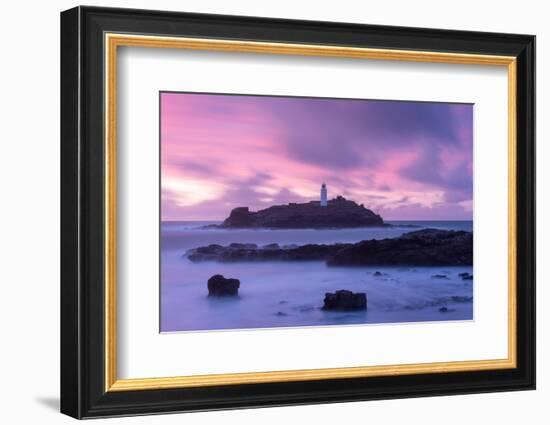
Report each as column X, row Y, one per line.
column 290, row 294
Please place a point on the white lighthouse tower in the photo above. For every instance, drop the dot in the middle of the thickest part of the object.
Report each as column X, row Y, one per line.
column 323, row 195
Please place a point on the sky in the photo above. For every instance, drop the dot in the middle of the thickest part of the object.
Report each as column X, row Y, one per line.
column 403, row 160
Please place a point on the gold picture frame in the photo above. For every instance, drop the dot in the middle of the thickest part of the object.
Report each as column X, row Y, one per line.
column 114, row 41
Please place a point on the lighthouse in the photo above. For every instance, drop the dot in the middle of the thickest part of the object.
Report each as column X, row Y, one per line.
column 323, row 195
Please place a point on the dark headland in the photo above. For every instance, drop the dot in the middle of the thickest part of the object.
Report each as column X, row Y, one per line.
column 338, row 213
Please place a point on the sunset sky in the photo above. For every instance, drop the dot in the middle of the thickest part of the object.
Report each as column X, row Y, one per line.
column 404, row 160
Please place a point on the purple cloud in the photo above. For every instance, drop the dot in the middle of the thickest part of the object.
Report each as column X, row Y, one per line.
column 221, row 151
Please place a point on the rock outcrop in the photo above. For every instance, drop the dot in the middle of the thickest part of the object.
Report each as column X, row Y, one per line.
column 344, row 300
column 219, row 286
column 339, row 213
column 230, row 253
column 428, row 247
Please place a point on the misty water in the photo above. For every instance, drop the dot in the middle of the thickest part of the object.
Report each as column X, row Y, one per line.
column 285, row 294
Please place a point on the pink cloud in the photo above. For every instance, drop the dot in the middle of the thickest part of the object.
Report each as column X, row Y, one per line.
column 219, row 152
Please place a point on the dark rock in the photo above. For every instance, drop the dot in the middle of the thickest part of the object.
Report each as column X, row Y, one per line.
column 440, row 276
column 243, row 245
column 236, row 252
column 240, row 217
column 466, row 276
column 443, row 310
column 205, row 253
column 219, row 286
column 427, row 247
column 339, row 213
column 345, row 300
column 271, row 246
column 280, row 313
column 377, row 273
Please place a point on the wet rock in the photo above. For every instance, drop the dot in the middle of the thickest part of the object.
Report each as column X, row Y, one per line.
column 281, row 314
column 466, row 276
column 377, row 273
column 249, row 252
column 440, row 276
column 219, row 286
column 428, row 247
column 205, row 253
column 344, row 300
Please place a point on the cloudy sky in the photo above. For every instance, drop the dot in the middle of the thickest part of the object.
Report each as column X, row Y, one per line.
column 404, row 160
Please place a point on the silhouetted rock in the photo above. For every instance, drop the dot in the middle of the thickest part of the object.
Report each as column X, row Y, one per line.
column 219, row 286
column 466, row 276
column 345, row 300
column 427, row 247
column 243, row 245
column 234, row 253
column 440, row 276
column 339, row 213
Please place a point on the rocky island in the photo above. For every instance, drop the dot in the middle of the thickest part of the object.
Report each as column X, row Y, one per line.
column 335, row 213
column 427, row 247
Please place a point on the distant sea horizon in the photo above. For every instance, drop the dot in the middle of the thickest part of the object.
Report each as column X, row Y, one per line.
column 445, row 224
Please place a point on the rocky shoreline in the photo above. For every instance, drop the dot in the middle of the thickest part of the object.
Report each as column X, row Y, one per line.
column 427, row 247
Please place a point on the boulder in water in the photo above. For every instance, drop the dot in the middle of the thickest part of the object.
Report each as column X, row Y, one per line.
column 219, row 286
column 345, row 300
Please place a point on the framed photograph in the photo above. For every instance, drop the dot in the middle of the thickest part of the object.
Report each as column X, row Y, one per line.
column 261, row 212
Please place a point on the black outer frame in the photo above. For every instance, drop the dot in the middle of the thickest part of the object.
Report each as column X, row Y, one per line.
column 82, row 219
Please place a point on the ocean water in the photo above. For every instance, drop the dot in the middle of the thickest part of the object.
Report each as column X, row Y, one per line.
column 290, row 294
